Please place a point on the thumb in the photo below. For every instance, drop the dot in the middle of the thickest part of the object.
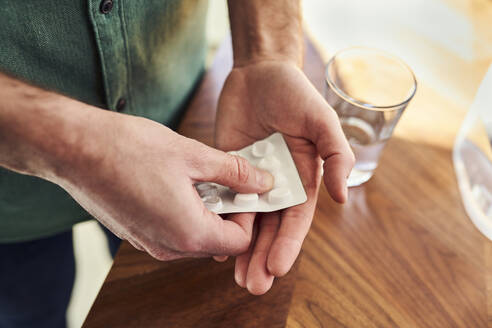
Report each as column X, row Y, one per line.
column 235, row 172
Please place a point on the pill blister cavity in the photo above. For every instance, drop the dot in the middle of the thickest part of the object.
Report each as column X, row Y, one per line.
column 279, row 195
column 280, row 180
column 272, row 155
column 246, row 200
column 213, row 203
column 206, row 189
column 205, row 186
column 269, row 163
column 262, row 148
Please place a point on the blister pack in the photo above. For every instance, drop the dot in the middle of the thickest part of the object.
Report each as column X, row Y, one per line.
column 270, row 154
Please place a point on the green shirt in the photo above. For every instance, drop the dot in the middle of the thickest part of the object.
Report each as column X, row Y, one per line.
column 145, row 54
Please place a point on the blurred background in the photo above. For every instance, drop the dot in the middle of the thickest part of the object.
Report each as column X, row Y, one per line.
column 448, row 44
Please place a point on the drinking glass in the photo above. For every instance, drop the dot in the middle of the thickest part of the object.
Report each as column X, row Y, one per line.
column 369, row 89
column 472, row 157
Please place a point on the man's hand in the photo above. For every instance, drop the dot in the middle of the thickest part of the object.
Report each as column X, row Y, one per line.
column 268, row 92
column 257, row 100
column 132, row 174
column 139, row 183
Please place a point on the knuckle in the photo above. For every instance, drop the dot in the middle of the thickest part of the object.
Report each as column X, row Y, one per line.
column 197, row 157
column 240, row 169
column 160, row 253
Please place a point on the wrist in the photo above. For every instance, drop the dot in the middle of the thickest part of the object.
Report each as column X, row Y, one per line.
column 268, row 48
column 41, row 133
column 48, row 135
column 268, row 54
column 69, row 144
column 266, row 31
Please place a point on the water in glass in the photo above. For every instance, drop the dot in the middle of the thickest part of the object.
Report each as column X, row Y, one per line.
column 367, row 132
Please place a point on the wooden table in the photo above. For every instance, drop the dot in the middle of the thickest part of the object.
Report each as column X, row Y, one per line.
column 400, row 253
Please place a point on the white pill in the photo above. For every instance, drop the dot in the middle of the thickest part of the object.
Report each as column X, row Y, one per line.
column 269, row 163
column 213, row 203
column 279, row 195
column 245, row 200
column 279, row 180
column 262, row 148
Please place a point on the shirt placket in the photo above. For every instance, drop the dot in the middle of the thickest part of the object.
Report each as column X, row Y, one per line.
column 108, row 20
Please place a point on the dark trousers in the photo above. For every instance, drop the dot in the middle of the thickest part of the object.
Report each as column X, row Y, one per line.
column 36, row 280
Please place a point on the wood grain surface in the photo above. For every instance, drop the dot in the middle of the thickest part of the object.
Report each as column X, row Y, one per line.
column 400, row 253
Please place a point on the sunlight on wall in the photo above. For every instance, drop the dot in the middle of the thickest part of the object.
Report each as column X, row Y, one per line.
column 436, row 38
column 447, row 43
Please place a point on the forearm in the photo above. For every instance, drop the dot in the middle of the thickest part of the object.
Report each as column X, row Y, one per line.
column 40, row 131
column 266, row 30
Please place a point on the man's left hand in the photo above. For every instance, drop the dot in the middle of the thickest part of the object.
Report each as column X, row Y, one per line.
column 257, row 100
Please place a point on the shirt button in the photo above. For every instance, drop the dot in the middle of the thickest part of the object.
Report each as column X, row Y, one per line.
column 120, row 105
column 106, row 6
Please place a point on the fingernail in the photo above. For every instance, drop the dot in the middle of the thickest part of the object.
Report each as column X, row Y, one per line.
column 239, row 279
column 264, row 179
column 221, row 258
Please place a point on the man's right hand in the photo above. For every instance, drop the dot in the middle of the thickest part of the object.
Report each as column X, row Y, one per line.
column 132, row 174
column 140, row 185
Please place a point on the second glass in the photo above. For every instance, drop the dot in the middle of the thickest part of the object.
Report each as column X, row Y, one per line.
column 369, row 89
